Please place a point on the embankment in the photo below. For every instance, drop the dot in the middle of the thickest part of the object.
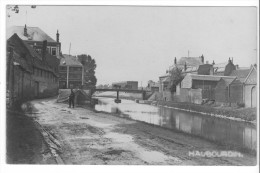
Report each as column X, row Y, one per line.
column 245, row 114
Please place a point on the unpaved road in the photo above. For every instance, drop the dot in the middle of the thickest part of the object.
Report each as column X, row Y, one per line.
column 81, row 136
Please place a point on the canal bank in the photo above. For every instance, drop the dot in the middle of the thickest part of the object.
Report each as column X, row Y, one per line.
column 87, row 137
column 239, row 114
column 236, row 134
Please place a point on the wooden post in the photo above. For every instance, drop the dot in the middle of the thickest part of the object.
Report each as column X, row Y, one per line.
column 117, row 95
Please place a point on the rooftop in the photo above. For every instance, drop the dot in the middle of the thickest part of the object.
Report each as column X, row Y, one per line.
column 69, row 60
column 190, row 61
column 209, row 77
column 241, row 74
column 34, row 34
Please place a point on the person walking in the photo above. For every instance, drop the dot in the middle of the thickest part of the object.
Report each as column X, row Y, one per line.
column 71, row 99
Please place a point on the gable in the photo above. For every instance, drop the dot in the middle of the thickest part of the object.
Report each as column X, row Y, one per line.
column 252, row 77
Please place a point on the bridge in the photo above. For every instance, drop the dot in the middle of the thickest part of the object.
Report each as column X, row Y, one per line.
column 117, row 100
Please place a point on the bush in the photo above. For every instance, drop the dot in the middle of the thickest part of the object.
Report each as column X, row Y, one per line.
column 241, row 105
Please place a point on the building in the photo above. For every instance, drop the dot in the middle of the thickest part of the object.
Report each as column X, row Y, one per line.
column 224, row 69
column 71, row 72
column 246, row 87
column 132, row 85
column 30, row 74
column 153, row 86
column 34, row 37
column 187, row 65
column 199, row 86
column 223, row 94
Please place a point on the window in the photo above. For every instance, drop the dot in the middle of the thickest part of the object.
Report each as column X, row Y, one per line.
column 53, row 51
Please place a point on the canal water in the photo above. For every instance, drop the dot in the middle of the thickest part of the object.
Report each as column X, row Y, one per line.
column 224, row 131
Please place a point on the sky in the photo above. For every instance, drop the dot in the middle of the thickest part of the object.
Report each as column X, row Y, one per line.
column 139, row 43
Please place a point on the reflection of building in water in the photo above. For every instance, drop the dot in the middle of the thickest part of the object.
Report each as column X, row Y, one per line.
column 196, row 125
column 250, row 138
column 219, row 130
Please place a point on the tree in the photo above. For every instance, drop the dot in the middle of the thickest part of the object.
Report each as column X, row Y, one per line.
column 175, row 78
column 15, row 9
column 89, row 65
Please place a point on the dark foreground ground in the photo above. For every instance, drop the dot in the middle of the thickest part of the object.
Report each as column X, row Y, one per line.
column 24, row 142
column 54, row 133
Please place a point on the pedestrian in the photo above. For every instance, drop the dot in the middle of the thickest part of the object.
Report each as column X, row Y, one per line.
column 71, row 99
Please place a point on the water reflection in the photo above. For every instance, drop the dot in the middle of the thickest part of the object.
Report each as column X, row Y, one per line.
column 220, row 130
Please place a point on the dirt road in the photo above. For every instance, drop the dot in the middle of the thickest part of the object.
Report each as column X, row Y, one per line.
column 81, row 136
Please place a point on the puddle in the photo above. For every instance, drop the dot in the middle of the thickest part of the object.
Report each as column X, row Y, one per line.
column 126, row 143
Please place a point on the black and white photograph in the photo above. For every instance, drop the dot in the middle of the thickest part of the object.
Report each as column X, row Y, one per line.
column 130, row 85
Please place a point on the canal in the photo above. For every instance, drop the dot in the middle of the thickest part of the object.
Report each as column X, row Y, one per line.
column 224, row 131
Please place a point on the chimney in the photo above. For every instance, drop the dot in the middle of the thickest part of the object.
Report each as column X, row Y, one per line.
column 185, row 66
column 175, row 61
column 25, row 31
column 229, row 61
column 58, row 36
column 202, row 59
column 213, row 63
column 44, row 49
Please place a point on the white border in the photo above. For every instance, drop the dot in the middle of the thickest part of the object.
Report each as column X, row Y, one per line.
column 35, row 168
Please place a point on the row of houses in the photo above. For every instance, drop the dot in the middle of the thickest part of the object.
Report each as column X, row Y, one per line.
column 36, row 67
column 223, row 83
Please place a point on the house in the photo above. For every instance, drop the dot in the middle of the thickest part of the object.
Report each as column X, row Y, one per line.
column 246, row 87
column 195, row 88
column 188, row 64
column 34, row 37
column 29, row 73
column 132, row 85
column 71, row 72
column 153, row 86
column 225, row 68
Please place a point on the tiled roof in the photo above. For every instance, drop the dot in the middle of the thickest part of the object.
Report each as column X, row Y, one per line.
column 241, row 74
column 22, row 62
column 190, row 61
column 220, row 67
column 35, row 59
column 34, row 33
column 69, row 60
column 209, row 77
column 228, row 80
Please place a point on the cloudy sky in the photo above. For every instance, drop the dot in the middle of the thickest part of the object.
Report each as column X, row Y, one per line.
column 140, row 43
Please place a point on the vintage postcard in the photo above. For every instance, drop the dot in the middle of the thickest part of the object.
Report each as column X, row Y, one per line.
column 131, row 85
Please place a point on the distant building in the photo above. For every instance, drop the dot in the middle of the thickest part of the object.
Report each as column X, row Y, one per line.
column 71, row 72
column 153, row 86
column 30, row 74
column 224, row 69
column 187, row 65
column 132, row 85
column 34, row 37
